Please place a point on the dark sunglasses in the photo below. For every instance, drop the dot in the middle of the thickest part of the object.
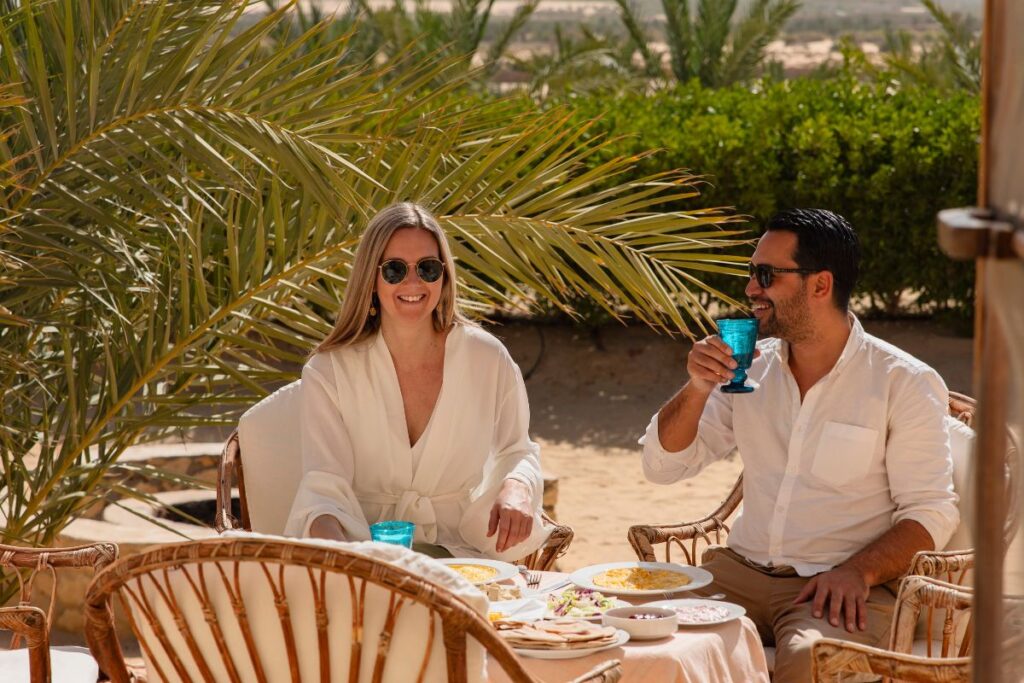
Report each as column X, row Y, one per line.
column 764, row 274
column 429, row 269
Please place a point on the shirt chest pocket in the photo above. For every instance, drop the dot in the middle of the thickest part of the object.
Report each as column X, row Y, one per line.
column 844, row 453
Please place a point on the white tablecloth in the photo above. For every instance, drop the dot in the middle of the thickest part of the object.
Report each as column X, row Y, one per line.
column 727, row 652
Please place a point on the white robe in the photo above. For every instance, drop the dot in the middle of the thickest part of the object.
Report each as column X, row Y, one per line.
column 359, row 467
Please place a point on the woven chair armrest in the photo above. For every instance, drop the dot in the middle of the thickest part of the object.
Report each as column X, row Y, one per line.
column 941, row 564
column 229, row 476
column 27, row 621
column 95, row 555
column 101, row 637
column 30, row 623
column 643, row 536
column 607, row 672
column 935, row 592
column 556, row 545
column 919, row 594
column 831, row 657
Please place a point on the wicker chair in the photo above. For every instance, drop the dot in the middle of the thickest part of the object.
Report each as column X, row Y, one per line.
column 272, row 423
column 938, row 660
column 691, row 538
column 237, row 610
column 32, row 623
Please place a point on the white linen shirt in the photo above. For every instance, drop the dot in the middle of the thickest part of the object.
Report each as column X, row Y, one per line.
column 359, row 467
column 822, row 478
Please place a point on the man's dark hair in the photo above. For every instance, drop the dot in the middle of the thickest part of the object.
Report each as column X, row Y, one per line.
column 824, row 241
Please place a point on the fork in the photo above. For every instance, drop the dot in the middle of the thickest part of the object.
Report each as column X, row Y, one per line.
column 532, row 578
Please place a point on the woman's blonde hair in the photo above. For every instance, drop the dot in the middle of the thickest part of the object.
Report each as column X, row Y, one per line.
column 354, row 322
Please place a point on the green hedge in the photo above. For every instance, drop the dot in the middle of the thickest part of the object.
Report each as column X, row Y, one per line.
column 887, row 161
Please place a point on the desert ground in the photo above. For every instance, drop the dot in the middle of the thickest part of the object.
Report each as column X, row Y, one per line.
column 589, row 406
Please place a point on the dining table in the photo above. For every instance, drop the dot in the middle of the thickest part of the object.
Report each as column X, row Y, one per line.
column 720, row 653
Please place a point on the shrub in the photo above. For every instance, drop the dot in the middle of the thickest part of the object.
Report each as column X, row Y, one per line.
column 888, row 161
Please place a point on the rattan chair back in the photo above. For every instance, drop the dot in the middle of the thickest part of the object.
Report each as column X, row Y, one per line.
column 31, row 623
column 926, row 599
column 237, row 610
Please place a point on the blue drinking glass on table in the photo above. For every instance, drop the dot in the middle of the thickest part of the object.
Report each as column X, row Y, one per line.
column 740, row 334
column 396, row 532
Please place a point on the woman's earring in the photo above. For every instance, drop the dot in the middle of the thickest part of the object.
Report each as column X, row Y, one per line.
column 373, row 306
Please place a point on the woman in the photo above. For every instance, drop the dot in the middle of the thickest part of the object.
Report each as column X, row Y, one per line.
column 411, row 412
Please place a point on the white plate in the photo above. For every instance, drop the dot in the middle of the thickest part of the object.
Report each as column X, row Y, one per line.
column 505, row 570
column 621, row 637
column 735, row 611
column 523, row 609
column 698, row 577
column 617, row 602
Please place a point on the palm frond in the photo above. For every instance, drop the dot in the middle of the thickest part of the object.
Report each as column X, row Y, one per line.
column 763, row 23
column 950, row 61
column 711, row 34
column 629, row 14
column 679, row 29
column 500, row 45
column 188, row 195
column 592, row 62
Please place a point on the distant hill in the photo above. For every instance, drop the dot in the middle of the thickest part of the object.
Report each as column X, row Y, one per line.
column 865, row 20
column 841, row 16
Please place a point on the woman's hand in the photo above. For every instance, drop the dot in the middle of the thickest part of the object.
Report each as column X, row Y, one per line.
column 512, row 515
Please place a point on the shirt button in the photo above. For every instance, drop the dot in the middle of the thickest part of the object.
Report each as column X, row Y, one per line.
column 780, row 508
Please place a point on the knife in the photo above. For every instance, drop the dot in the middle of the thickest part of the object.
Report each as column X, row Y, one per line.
column 551, row 589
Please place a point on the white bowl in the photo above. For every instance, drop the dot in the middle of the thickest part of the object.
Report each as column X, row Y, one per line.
column 663, row 626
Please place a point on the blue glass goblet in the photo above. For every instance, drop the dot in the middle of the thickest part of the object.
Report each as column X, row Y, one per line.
column 740, row 334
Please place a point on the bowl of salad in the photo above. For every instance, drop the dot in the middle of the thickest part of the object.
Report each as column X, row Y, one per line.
column 581, row 603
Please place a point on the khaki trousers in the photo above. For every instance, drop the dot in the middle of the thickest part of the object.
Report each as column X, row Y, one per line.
column 767, row 593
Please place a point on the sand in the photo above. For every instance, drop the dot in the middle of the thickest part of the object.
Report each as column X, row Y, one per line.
column 589, row 407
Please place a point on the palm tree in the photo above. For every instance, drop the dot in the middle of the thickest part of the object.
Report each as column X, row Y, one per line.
column 180, row 199
column 418, row 30
column 589, row 63
column 707, row 44
column 950, row 61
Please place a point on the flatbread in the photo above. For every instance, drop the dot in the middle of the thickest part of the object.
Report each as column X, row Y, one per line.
column 556, row 634
column 566, row 628
column 531, row 635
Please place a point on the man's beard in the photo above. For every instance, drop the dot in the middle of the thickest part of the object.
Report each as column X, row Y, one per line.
column 769, row 324
column 788, row 320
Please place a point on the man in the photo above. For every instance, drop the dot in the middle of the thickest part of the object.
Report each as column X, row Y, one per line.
column 847, row 469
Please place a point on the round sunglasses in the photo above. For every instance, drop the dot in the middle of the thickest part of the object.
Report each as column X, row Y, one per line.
column 429, row 269
column 765, row 274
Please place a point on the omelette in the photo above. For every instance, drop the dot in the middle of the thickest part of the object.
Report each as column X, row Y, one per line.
column 475, row 573
column 639, row 579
